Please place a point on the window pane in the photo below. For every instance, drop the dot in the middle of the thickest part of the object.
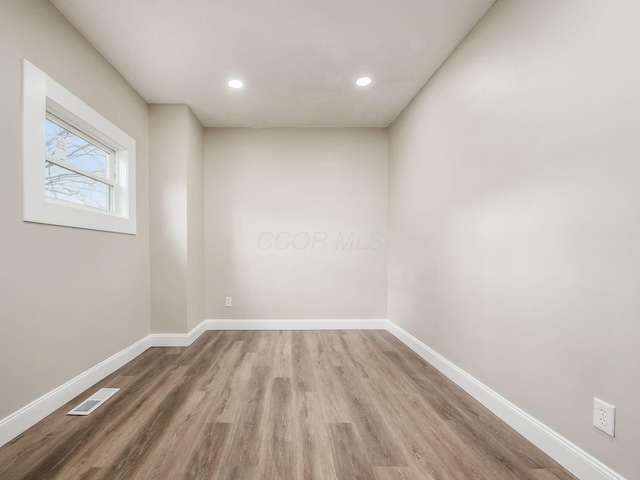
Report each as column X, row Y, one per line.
column 66, row 185
column 65, row 145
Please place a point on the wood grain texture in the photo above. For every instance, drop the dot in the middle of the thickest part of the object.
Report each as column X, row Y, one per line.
column 285, row 405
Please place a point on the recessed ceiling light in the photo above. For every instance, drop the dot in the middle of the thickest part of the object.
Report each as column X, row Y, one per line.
column 363, row 81
column 235, row 84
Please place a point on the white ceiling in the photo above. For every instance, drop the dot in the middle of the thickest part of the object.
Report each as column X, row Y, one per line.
column 299, row 59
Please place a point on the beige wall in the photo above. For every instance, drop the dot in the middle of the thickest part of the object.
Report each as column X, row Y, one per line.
column 69, row 298
column 513, row 218
column 514, row 214
column 295, row 221
column 195, row 221
column 177, row 242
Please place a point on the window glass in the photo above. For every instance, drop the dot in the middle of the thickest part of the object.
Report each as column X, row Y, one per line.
column 64, row 184
column 64, row 145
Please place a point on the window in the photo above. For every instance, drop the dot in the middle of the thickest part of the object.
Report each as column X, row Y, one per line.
column 79, row 168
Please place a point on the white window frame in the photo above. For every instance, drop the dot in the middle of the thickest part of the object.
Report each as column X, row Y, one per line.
column 41, row 95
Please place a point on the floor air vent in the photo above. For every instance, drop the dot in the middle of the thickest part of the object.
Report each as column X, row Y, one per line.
column 94, row 401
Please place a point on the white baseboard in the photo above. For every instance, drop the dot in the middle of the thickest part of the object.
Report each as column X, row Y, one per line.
column 186, row 339
column 332, row 324
column 29, row 415
column 567, row 454
column 570, row 456
column 178, row 339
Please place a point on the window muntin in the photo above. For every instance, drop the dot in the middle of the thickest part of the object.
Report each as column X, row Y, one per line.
column 64, row 142
column 77, row 168
column 70, row 186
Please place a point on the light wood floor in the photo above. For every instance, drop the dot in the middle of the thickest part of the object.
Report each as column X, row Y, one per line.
column 319, row 405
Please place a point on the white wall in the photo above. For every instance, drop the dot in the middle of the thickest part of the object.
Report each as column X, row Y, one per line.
column 295, row 221
column 177, row 235
column 515, row 214
column 69, row 298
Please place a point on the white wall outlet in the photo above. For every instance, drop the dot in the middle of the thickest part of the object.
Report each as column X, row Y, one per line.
column 228, row 301
column 604, row 416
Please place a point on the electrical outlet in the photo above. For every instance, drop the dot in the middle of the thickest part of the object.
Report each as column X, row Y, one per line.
column 228, row 301
column 604, row 417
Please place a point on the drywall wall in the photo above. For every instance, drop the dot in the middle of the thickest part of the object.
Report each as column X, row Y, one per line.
column 195, row 221
column 168, row 197
column 295, row 223
column 515, row 214
column 177, row 241
column 69, row 298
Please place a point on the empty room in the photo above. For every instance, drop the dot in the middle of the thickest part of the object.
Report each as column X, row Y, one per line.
column 320, row 240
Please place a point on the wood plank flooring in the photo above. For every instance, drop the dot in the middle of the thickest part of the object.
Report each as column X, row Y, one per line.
column 285, row 405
